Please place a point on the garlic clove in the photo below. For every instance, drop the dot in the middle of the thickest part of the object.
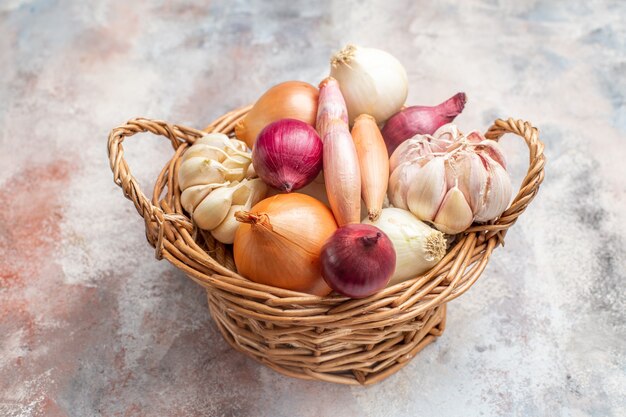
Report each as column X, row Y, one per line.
column 236, row 145
column 399, row 182
column 488, row 146
column 192, row 196
column 427, row 190
column 454, row 169
column 445, row 136
column 204, row 151
column 475, row 137
column 455, row 213
column 237, row 161
column 214, row 207
column 258, row 191
column 415, row 149
column 467, row 171
column 477, row 183
column 199, row 170
column 498, row 194
column 249, row 193
column 225, row 231
column 234, row 174
column 219, row 140
column 494, row 151
column 250, row 172
column 241, row 193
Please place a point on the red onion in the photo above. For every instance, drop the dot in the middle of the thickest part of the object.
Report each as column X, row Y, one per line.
column 358, row 260
column 287, row 154
column 421, row 120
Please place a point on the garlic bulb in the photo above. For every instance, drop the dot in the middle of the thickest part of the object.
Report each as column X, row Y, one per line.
column 418, row 247
column 449, row 179
column 213, row 158
column 372, row 81
column 214, row 176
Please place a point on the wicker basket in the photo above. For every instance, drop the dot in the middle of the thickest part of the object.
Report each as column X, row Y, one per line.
column 331, row 338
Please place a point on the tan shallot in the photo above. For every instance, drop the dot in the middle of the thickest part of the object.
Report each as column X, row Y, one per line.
column 373, row 163
column 342, row 174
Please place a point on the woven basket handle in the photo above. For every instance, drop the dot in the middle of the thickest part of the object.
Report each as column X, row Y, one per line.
column 155, row 218
column 531, row 182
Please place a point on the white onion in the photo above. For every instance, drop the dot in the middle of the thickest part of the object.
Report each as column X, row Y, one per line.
column 372, row 81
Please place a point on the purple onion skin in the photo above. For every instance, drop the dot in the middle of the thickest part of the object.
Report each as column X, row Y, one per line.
column 287, row 154
column 358, row 260
column 421, row 120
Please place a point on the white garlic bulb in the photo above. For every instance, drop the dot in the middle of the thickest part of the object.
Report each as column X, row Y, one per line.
column 214, row 176
column 464, row 180
column 371, row 81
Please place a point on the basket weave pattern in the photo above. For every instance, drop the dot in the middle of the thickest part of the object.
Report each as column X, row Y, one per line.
column 331, row 338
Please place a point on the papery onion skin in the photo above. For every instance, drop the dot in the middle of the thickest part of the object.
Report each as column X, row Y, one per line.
column 358, row 260
column 421, row 120
column 288, row 100
column 287, row 154
column 280, row 240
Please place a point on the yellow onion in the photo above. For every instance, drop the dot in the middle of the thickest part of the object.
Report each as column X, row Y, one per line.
column 288, row 100
column 280, row 240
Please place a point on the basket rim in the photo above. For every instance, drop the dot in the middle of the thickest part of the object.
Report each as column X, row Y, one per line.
column 173, row 235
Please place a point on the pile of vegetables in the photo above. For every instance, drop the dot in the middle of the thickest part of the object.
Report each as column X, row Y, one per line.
column 343, row 187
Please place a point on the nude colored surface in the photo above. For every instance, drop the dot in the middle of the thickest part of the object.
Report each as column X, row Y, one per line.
column 91, row 324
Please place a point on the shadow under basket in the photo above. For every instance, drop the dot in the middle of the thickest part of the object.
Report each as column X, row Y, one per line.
column 333, row 338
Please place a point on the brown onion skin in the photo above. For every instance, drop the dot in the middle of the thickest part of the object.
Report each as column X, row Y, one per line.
column 282, row 246
column 358, row 260
column 290, row 99
column 421, row 120
column 287, row 154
